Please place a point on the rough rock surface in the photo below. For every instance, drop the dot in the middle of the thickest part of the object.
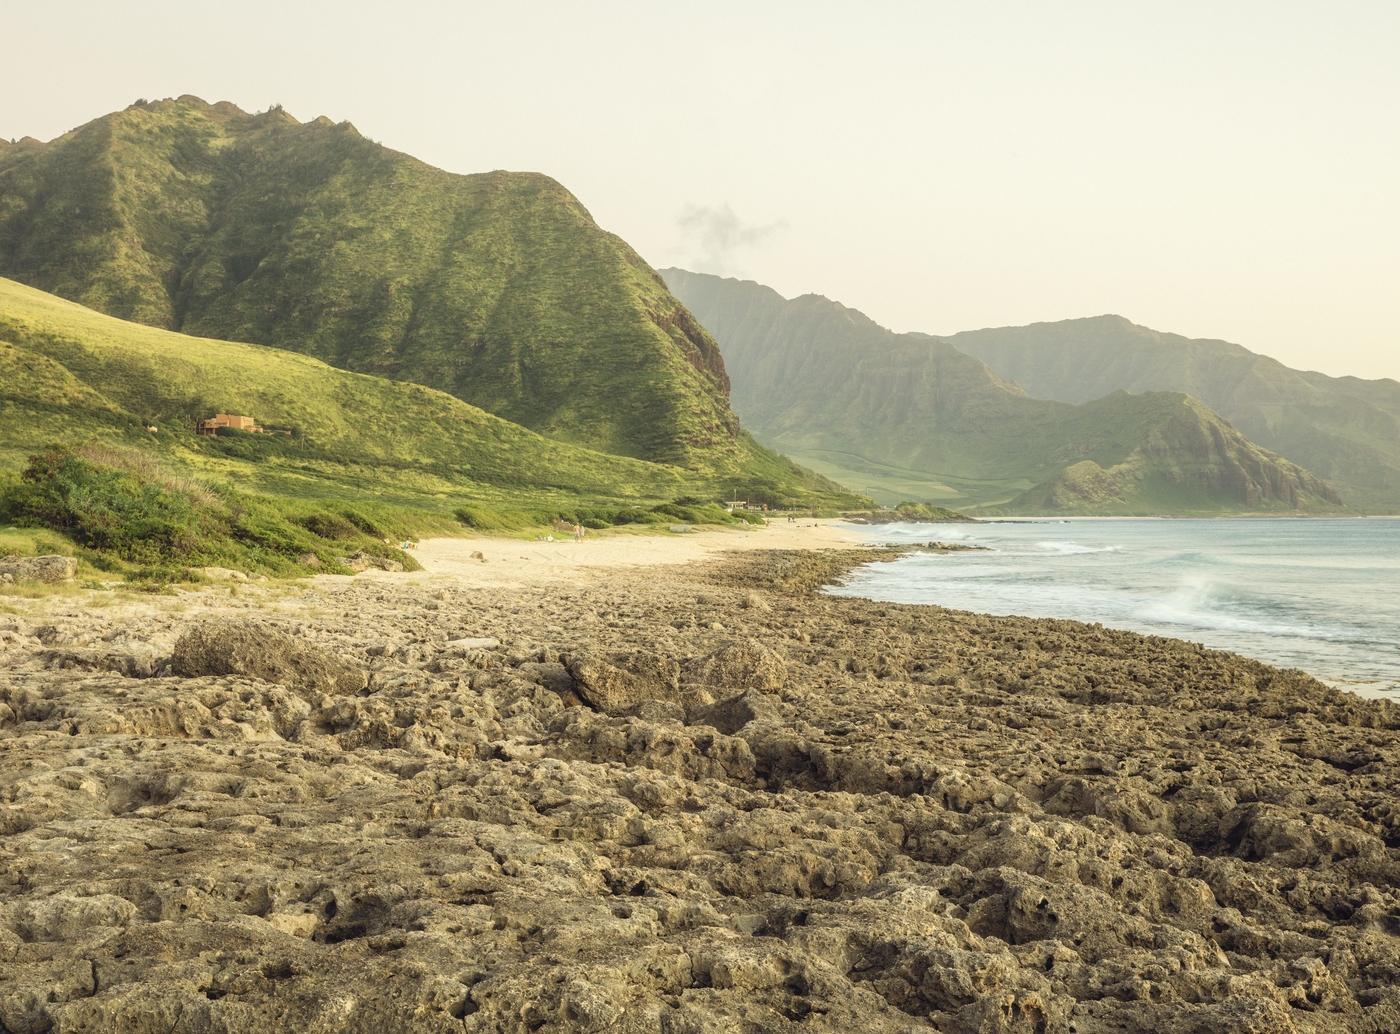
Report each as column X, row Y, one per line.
column 735, row 667
column 52, row 568
column 929, row 821
column 362, row 561
column 257, row 650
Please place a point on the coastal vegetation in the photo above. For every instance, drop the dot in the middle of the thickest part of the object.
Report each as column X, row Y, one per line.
column 129, row 514
column 97, row 442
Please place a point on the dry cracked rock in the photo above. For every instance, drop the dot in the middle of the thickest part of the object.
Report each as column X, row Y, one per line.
column 619, row 682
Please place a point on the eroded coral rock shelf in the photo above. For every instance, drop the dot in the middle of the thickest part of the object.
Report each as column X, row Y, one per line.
column 710, row 801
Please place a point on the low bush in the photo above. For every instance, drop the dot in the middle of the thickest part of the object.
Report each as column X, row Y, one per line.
column 688, row 510
column 365, row 524
column 330, row 526
column 129, row 512
column 486, row 518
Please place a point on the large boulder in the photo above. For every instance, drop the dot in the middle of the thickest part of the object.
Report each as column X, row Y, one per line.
column 53, row 568
column 240, row 647
column 735, row 667
column 621, row 682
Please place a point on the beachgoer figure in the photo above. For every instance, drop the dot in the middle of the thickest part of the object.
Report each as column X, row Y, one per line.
column 578, row 532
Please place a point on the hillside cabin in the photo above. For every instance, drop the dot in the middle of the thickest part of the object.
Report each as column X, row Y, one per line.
column 231, row 420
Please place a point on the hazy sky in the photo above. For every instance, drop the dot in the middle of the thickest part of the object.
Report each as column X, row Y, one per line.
column 1220, row 169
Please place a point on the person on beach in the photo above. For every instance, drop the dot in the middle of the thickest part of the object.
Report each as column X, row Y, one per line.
column 578, row 532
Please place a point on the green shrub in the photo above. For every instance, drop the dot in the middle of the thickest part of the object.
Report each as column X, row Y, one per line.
column 108, row 509
column 330, row 526
column 129, row 512
column 364, row 524
column 485, row 518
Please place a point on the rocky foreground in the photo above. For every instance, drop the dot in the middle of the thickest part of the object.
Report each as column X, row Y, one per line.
column 700, row 800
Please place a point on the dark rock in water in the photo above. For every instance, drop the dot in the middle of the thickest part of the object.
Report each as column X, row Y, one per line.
column 51, row 568
column 261, row 651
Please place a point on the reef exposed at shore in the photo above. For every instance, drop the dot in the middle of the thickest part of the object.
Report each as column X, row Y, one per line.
column 706, row 802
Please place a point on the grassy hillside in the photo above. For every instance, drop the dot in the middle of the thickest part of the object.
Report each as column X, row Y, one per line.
column 497, row 288
column 402, row 456
column 909, row 416
column 1345, row 429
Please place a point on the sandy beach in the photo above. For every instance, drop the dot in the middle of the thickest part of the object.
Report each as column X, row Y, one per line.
column 520, row 561
column 663, row 785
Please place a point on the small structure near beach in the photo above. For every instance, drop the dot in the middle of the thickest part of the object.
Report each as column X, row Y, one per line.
column 219, row 421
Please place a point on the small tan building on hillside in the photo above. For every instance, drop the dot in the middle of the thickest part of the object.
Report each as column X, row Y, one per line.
column 232, row 420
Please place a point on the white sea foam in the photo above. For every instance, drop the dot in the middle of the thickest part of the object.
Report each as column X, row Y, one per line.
column 1073, row 548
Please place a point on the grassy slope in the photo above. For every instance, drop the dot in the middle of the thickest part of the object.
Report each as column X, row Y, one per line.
column 909, row 416
column 403, row 452
column 498, row 288
column 1343, row 428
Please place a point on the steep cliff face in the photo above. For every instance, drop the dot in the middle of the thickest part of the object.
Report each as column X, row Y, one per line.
column 911, row 416
column 1343, row 428
column 498, row 287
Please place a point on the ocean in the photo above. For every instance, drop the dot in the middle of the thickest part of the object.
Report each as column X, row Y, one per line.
column 1318, row 594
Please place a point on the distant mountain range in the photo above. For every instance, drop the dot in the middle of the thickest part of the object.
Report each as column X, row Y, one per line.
column 915, row 416
column 1344, row 429
column 218, row 225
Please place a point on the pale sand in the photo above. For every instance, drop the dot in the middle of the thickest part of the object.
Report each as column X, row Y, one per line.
column 520, row 561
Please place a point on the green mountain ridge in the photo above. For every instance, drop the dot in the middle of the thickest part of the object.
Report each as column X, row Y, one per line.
column 1344, row 429
column 496, row 287
column 911, row 416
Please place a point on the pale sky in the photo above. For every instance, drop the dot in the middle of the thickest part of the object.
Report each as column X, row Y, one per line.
column 1219, row 169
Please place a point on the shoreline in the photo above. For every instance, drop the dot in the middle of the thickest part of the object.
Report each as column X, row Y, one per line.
column 1317, row 637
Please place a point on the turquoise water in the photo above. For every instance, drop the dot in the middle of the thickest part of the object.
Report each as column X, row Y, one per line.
column 1321, row 595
